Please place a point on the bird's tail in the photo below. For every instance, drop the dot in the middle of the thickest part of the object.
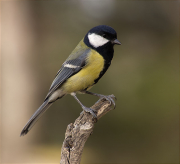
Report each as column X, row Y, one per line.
column 34, row 118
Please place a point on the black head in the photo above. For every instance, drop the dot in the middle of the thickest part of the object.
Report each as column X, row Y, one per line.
column 100, row 36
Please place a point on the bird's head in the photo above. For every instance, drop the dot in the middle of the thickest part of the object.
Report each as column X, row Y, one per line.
column 100, row 36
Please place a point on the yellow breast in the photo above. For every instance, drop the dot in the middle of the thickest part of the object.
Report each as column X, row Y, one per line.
column 86, row 76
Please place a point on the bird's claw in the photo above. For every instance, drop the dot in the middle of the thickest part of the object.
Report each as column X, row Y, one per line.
column 91, row 111
column 110, row 98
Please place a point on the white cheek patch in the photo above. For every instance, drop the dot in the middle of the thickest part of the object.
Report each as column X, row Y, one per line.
column 70, row 66
column 97, row 40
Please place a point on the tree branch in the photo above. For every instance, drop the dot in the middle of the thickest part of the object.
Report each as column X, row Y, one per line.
column 77, row 134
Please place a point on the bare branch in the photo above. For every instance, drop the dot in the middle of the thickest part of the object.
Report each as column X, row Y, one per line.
column 77, row 134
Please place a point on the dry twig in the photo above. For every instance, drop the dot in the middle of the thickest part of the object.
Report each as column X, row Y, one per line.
column 77, row 134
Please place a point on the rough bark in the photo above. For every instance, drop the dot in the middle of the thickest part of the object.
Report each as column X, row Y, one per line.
column 78, row 132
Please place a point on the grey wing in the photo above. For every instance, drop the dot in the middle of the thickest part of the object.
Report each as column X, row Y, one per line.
column 68, row 69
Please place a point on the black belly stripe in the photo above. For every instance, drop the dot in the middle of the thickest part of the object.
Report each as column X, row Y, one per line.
column 106, row 66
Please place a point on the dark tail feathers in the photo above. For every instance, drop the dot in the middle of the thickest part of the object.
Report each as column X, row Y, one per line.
column 34, row 118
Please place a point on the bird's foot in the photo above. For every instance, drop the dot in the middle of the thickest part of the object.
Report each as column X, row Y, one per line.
column 91, row 111
column 109, row 98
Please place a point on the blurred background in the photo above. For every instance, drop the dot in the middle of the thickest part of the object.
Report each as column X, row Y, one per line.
column 37, row 37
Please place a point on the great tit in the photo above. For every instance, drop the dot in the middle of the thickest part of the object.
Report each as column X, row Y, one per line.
column 83, row 68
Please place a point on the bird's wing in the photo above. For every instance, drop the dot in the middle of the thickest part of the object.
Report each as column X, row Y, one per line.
column 74, row 63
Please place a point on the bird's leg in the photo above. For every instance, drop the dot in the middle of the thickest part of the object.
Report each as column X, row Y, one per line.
column 109, row 97
column 86, row 109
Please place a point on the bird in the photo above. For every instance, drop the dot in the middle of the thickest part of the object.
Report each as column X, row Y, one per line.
column 81, row 70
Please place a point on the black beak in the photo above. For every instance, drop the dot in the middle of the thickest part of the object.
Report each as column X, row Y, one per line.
column 116, row 42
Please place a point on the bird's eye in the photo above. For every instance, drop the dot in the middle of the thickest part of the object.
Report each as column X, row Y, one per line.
column 104, row 35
